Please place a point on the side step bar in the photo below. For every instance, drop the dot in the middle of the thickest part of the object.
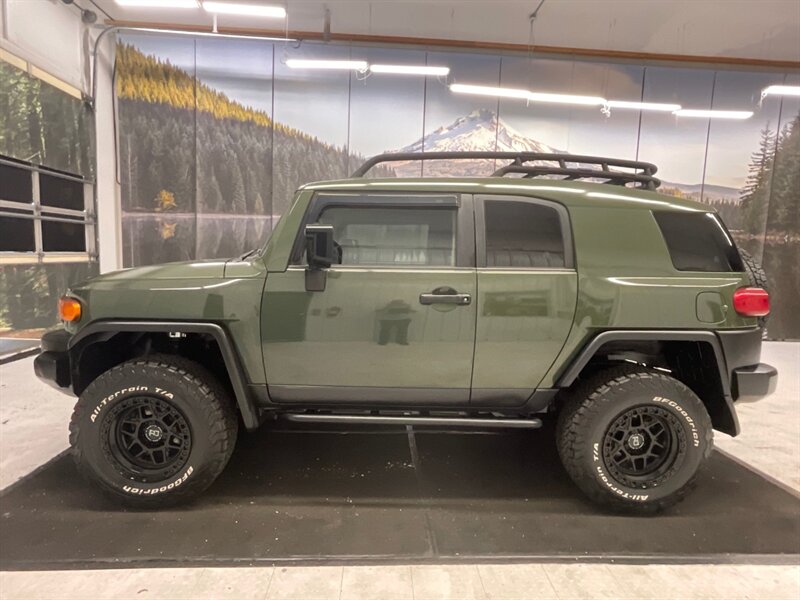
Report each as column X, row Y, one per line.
column 412, row 420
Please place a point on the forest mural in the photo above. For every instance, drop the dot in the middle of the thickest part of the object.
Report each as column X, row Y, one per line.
column 215, row 138
column 42, row 125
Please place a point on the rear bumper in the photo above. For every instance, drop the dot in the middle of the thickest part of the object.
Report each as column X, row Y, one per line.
column 52, row 364
column 750, row 379
column 752, row 383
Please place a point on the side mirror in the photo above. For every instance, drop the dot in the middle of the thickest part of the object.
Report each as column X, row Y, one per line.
column 321, row 252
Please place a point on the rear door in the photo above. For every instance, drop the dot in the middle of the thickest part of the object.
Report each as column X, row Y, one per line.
column 527, row 291
column 396, row 320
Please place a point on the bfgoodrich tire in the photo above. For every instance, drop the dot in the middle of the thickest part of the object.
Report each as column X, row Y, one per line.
column 153, row 432
column 634, row 439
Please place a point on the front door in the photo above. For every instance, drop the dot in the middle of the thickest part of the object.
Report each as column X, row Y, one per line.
column 396, row 320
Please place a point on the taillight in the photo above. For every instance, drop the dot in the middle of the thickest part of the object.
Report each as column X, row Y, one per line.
column 751, row 302
column 69, row 309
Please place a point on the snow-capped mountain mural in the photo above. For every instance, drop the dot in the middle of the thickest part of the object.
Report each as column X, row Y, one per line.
column 483, row 130
column 479, row 130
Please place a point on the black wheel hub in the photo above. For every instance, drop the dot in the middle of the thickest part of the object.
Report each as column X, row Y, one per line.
column 644, row 446
column 146, row 438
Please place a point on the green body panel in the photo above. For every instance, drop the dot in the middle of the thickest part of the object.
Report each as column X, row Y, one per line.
column 523, row 326
column 368, row 329
column 524, row 317
column 626, row 280
column 190, row 293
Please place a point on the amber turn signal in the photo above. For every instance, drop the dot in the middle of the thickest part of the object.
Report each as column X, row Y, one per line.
column 69, row 309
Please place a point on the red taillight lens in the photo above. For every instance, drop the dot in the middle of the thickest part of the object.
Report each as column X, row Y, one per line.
column 751, row 302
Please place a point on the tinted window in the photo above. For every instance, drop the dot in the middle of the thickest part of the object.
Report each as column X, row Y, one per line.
column 523, row 234
column 16, row 235
column 698, row 242
column 372, row 235
column 15, row 184
column 58, row 236
column 60, row 193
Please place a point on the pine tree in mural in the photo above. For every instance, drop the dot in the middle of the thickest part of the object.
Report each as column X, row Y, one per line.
column 41, row 124
column 784, row 212
column 771, row 196
column 756, row 187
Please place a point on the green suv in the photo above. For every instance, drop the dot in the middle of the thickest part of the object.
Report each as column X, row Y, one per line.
column 561, row 286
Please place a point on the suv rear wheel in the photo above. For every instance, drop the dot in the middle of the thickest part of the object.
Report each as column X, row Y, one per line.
column 633, row 439
column 152, row 432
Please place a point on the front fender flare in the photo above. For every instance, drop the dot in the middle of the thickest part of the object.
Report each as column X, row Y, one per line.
column 99, row 330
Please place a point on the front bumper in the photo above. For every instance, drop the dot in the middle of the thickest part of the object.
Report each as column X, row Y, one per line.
column 52, row 364
column 752, row 383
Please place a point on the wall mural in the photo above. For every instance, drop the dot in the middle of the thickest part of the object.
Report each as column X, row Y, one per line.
column 42, row 125
column 215, row 136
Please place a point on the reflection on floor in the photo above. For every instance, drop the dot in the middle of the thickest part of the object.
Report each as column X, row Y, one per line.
column 33, row 429
column 10, row 346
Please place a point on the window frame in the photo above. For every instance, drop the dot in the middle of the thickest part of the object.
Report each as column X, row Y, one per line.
column 38, row 213
column 480, row 231
column 461, row 203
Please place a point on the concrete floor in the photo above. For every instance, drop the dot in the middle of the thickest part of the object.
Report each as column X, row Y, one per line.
column 770, row 442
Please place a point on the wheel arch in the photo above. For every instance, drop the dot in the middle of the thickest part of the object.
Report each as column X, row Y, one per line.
column 688, row 354
column 94, row 338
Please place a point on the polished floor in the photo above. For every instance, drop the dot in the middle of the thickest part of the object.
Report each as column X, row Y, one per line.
column 770, row 441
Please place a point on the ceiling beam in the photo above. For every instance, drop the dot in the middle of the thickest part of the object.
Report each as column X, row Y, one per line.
column 471, row 45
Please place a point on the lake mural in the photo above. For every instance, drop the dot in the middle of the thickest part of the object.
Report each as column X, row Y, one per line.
column 215, row 136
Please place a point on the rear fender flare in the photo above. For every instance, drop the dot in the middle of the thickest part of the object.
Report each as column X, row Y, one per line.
column 730, row 421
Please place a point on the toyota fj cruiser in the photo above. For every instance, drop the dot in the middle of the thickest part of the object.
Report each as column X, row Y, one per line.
column 559, row 286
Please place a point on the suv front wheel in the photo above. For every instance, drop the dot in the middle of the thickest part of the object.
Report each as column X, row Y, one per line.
column 154, row 431
column 633, row 439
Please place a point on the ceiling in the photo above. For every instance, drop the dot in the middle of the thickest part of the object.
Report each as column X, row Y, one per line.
column 750, row 29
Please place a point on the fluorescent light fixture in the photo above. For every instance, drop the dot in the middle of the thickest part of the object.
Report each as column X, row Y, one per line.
column 656, row 106
column 485, row 90
column 409, row 69
column 346, row 65
column 781, row 90
column 251, row 10
column 159, row 3
column 714, row 114
column 566, row 99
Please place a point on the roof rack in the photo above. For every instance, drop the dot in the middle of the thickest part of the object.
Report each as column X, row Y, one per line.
column 641, row 174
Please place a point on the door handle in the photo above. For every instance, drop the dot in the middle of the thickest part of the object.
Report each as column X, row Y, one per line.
column 433, row 298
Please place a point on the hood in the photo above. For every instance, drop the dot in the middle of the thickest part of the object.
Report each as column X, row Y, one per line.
column 200, row 269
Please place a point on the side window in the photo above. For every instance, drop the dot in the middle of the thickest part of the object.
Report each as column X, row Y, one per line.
column 698, row 242
column 523, row 235
column 391, row 236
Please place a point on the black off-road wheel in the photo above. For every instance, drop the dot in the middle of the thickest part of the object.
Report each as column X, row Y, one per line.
column 153, row 432
column 633, row 439
column 758, row 278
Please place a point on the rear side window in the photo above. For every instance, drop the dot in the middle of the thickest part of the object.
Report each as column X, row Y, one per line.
column 699, row 242
column 523, row 235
